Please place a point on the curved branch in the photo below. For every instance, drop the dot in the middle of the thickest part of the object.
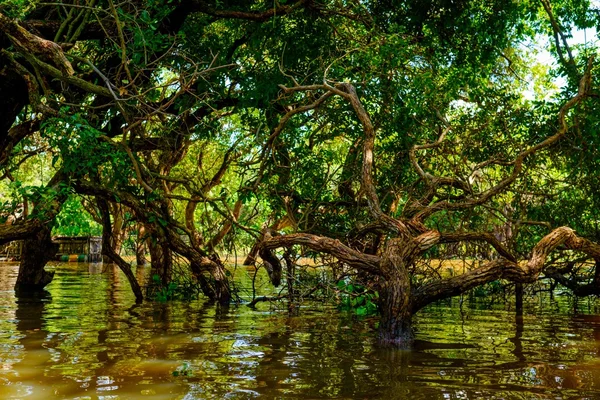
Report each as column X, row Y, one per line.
column 563, row 236
column 442, row 289
column 583, row 91
column 257, row 16
column 29, row 43
column 592, row 288
column 353, row 258
column 478, row 236
column 507, row 269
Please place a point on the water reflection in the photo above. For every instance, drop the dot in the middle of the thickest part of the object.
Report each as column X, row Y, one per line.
column 86, row 338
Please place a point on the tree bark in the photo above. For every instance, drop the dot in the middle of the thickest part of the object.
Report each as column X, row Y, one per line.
column 38, row 248
column 266, row 232
column 161, row 260
column 272, row 265
column 519, row 298
column 395, row 326
column 140, row 246
column 36, row 252
column 108, row 250
column 118, row 226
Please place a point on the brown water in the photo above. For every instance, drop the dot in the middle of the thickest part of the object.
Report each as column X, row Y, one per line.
column 86, row 339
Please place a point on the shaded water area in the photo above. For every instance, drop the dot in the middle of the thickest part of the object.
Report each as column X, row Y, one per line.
column 86, row 338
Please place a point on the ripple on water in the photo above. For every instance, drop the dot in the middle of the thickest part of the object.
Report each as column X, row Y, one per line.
column 86, row 338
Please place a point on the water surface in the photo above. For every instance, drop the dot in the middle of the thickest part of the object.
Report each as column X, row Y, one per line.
column 86, row 339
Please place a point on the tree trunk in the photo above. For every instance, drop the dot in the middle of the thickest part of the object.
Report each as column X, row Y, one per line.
column 109, row 252
column 290, row 276
column 222, row 290
column 118, row 224
column 190, row 210
column 140, row 254
column 140, row 246
column 36, row 252
column 395, row 326
column 205, row 286
column 161, row 260
column 519, row 298
column 272, row 265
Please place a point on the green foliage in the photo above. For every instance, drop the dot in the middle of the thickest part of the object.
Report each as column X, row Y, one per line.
column 178, row 289
column 74, row 220
column 84, row 151
column 489, row 289
column 17, row 8
column 357, row 298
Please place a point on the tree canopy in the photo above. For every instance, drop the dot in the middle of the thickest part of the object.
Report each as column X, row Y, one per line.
column 380, row 133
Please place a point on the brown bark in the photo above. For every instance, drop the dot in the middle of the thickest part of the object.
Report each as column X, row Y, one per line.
column 399, row 301
column 20, row 230
column 161, row 259
column 200, row 262
column 31, row 44
column 276, row 226
column 190, row 210
column 444, row 288
column 395, row 297
column 38, row 248
column 118, row 223
column 198, row 259
column 36, row 253
column 563, row 236
column 140, row 246
column 272, row 265
column 218, row 238
column 108, row 250
column 353, row 258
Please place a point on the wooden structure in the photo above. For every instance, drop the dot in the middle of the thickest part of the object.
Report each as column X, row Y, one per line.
column 79, row 248
column 70, row 249
column 11, row 251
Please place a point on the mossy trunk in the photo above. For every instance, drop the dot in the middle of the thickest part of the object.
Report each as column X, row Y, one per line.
column 36, row 253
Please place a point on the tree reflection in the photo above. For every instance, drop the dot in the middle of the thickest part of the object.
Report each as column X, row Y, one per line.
column 29, row 313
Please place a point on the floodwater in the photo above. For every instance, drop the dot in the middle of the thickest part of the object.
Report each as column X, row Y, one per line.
column 86, row 339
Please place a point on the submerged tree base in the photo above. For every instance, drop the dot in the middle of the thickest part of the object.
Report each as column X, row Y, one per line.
column 42, row 279
column 396, row 333
column 37, row 251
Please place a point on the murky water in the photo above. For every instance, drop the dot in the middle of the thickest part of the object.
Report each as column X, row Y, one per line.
column 87, row 339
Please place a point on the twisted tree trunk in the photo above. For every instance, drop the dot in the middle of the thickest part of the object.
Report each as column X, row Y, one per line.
column 109, row 251
column 141, row 246
column 38, row 248
column 161, row 260
column 395, row 326
column 36, row 253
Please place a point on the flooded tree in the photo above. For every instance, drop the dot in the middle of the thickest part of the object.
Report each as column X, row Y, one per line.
column 383, row 136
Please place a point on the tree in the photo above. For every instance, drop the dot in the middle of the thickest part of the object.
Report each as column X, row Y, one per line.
column 378, row 134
